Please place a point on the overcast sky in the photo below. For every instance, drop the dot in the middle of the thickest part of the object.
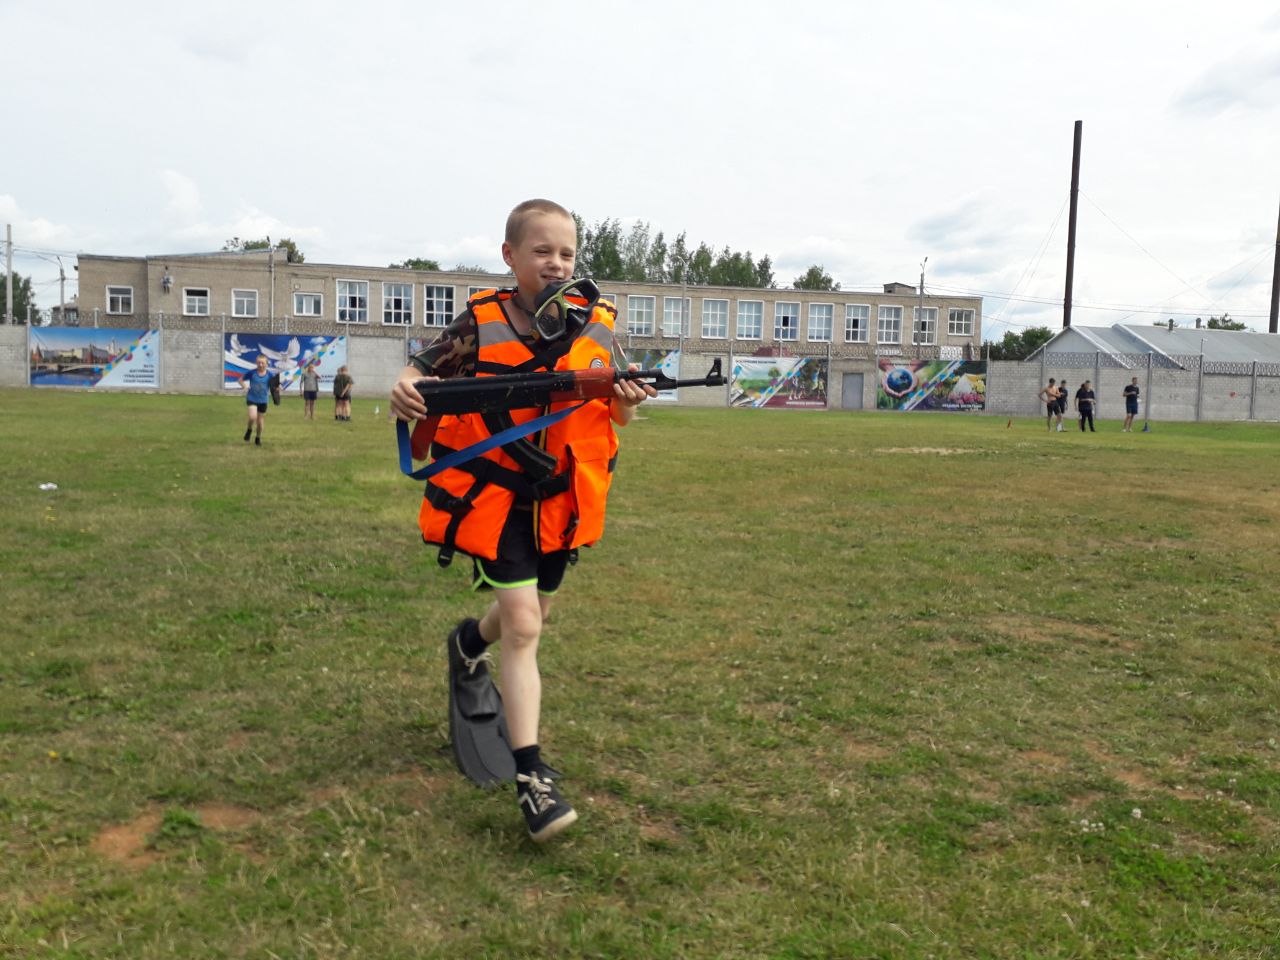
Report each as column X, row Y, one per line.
column 860, row 136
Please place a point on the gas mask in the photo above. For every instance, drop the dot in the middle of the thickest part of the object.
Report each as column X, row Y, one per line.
column 563, row 306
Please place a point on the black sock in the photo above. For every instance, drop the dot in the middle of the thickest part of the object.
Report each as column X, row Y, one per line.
column 470, row 641
column 527, row 759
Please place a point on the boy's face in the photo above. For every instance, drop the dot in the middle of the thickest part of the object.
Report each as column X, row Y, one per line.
column 262, row 364
column 545, row 253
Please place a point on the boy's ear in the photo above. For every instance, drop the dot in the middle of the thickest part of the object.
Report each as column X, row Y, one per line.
column 506, row 254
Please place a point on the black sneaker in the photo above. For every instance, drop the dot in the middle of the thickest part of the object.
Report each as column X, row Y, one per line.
column 545, row 811
column 470, row 684
column 257, row 441
column 247, row 435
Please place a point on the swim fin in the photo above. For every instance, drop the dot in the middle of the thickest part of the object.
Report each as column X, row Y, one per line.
column 478, row 733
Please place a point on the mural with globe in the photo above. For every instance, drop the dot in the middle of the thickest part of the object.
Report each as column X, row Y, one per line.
column 952, row 386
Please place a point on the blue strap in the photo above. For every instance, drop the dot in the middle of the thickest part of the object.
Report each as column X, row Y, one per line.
column 476, row 449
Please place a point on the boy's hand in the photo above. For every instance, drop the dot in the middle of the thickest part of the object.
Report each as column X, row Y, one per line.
column 632, row 393
column 406, row 402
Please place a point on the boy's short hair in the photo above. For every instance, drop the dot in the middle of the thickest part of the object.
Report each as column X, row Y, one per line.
column 518, row 217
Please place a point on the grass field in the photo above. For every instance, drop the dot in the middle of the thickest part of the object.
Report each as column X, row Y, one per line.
column 917, row 686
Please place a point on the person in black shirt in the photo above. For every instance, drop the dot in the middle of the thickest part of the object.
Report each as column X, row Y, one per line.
column 1084, row 405
column 1130, row 405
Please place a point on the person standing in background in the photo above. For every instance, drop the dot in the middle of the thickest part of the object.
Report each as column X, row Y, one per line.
column 342, row 385
column 1084, row 405
column 310, row 390
column 1130, row 405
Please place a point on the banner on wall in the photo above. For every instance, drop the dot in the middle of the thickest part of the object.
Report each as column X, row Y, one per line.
column 947, row 385
column 287, row 355
column 667, row 361
column 93, row 357
column 796, row 382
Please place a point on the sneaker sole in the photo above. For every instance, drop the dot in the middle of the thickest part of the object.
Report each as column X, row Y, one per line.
column 554, row 828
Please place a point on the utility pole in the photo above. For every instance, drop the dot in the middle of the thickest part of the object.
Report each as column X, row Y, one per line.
column 8, row 273
column 1071, row 227
column 62, row 294
column 1275, row 284
column 915, row 327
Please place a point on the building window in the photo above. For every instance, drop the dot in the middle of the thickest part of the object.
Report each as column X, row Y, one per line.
column 353, row 301
column 960, row 322
column 857, row 322
column 926, row 321
column 244, row 303
column 472, row 291
column 820, row 315
column 397, row 304
column 715, row 319
column 195, row 301
column 889, row 325
column 640, row 311
column 119, row 299
column 786, row 320
column 308, row 305
column 437, row 309
column 675, row 316
column 750, row 319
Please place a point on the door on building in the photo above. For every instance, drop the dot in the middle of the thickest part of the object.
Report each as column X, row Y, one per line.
column 851, row 392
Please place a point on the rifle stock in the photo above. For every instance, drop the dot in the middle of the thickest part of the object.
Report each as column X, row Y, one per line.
column 518, row 391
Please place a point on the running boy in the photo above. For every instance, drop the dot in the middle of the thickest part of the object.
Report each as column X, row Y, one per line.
column 508, row 509
column 258, row 383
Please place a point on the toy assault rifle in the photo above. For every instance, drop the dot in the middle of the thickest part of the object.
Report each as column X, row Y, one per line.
column 518, row 391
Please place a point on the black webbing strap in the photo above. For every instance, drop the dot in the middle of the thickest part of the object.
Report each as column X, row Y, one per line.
column 512, row 480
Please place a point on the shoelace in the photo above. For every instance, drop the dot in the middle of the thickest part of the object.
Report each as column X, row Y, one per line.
column 472, row 662
column 539, row 791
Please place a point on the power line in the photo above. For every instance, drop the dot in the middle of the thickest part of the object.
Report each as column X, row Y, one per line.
column 1142, row 248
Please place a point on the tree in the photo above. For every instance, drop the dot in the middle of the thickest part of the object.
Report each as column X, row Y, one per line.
column 635, row 254
column 1225, row 322
column 815, row 278
column 600, row 253
column 24, row 299
column 415, row 263
column 764, row 273
column 291, row 249
column 467, row 268
column 1019, row 346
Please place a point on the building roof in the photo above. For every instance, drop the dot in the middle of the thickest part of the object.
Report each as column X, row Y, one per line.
column 1218, row 346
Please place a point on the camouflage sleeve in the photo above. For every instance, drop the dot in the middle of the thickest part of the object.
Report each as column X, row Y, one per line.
column 453, row 353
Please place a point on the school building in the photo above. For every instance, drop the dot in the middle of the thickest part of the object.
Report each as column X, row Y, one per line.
column 260, row 291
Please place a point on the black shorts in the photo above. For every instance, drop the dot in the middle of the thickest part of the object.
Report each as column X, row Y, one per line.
column 309, row 394
column 262, row 407
column 1131, row 407
column 519, row 563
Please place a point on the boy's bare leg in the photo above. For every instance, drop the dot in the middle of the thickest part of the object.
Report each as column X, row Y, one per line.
column 519, row 623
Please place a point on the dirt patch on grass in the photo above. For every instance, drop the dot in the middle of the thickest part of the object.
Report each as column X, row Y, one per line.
column 127, row 843
column 862, row 751
column 938, row 451
column 1043, row 759
column 1132, row 777
column 1054, row 631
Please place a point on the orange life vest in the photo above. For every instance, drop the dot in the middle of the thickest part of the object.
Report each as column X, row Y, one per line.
column 564, row 471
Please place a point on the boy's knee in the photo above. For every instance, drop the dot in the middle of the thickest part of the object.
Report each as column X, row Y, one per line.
column 521, row 624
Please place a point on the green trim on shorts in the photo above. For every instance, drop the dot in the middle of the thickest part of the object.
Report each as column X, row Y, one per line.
column 548, row 593
column 485, row 578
